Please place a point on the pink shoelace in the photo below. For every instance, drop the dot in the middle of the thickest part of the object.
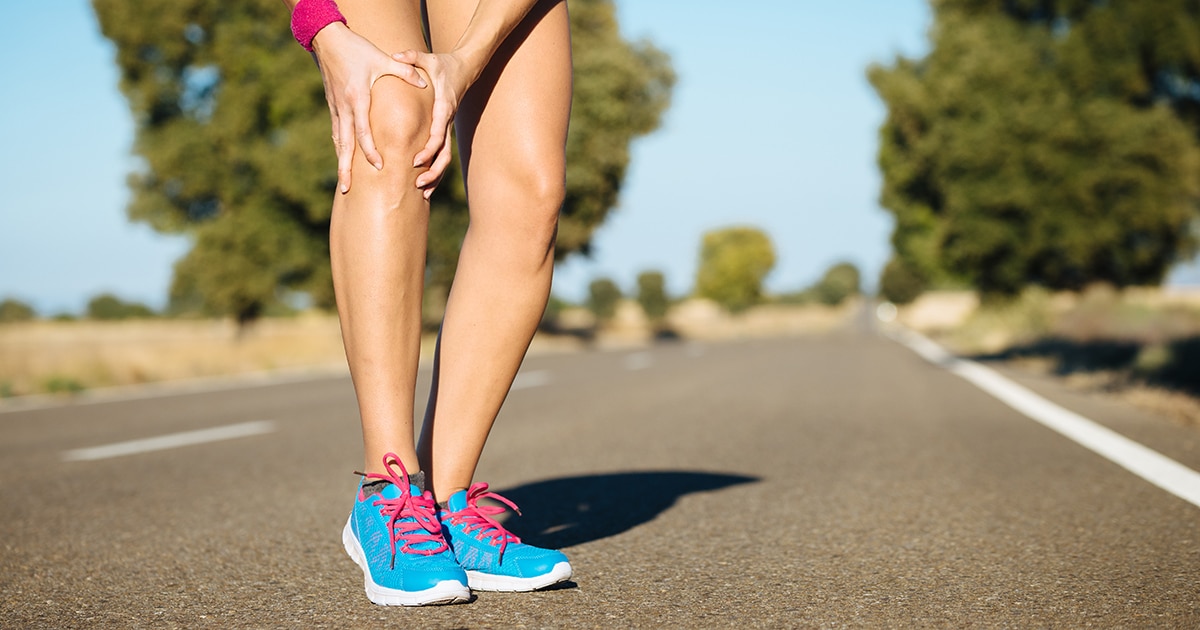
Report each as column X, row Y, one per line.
column 477, row 519
column 424, row 526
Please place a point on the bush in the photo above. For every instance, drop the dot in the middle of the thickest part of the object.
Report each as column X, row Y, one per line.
column 839, row 282
column 13, row 310
column 62, row 385
column 603, row 296
column 107, row 306
column 899, row 283
column 733, row 263
column 652, row 294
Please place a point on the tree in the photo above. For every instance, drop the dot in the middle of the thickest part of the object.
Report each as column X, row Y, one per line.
column 107, row 306
column 652, row 294
column 603, row 297
column 14, row 310
column 839, row 282
column 733, row 263
column 899, row 284
column 233, row 136
column 1023, row 149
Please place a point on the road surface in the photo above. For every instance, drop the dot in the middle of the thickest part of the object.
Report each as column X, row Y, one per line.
column 836, row 480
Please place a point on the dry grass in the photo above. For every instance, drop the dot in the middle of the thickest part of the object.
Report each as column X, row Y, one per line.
column 66, row 357
column 39, row 357
column 1142, row 345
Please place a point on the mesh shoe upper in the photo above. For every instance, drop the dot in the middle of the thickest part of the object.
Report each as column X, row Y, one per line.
column 481, row 544
column 400, row 536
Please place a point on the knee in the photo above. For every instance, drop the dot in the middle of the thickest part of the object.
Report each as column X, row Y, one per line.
column 543, row 199
column 400, row 117
column 535, row 196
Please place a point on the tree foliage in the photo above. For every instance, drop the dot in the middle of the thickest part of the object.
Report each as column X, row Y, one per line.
column 107, row 306
column 840, row 281
column 233, row 136
column 733, row 263
column 603, row 297
column 14, row 310
column 1047, row 142
column 652, row 294
column 899, row 284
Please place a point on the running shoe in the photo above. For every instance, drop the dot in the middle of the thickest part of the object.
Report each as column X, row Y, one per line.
column 493, row 557
column 394, row 535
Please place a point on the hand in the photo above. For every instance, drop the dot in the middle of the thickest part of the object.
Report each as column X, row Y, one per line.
column 450, row 78
column 350, row 66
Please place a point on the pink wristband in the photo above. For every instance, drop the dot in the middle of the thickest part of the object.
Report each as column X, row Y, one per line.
column 310, row 16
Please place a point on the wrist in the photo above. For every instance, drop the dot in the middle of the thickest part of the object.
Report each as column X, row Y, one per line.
column 310, row 17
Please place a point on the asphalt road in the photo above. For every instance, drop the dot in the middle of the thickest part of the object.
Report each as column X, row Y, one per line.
column 829, row 481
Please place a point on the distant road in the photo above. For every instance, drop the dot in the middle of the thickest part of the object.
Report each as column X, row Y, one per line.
column 839, row 480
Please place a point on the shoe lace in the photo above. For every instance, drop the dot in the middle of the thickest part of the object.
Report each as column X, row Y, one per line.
column 411, row 519
column 477, row 519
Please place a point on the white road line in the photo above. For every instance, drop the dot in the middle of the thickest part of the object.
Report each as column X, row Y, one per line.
column 174, row 440
column 638, row 361
column 1144, row 462
column 526, row 380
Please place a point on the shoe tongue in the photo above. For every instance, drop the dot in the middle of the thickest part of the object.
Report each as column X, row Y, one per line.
column 458, row 501
column 390, row 491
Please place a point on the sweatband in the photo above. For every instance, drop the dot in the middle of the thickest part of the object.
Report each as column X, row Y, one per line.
column 310, row 16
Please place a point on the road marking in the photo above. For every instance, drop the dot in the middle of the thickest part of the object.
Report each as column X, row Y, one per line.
column 638, row 361
column 526, row 380
column 1144, row 462
column 174, row 440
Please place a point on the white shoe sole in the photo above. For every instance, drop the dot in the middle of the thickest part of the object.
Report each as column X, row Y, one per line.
column 490, row 582
column 444, row 592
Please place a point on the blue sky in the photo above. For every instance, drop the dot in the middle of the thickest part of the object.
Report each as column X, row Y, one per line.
column 773, row 124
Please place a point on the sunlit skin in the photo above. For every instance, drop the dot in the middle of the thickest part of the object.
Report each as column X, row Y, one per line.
column 511, row 128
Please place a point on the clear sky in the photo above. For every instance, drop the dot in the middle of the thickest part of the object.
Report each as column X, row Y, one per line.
column 773, row 124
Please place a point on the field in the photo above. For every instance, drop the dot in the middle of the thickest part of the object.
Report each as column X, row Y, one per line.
column 45, row 357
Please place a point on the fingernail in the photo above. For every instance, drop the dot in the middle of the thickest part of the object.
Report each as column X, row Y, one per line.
column 378, row 165
column 345, row 189
column 416, row 161
column 428, row 194
column 422, row 82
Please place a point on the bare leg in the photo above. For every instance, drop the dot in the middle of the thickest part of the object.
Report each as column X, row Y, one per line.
column 511, row 130
column 377, row 244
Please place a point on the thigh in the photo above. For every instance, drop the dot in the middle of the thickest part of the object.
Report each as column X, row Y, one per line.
column 512, row 124
column 394, row 26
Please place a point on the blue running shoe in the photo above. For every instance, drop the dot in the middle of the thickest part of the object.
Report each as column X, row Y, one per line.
column 494, row 558
column 395, row 537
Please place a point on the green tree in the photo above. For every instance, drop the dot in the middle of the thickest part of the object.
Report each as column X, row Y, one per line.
column 107, row 306
column 233, row 136
column 603, row 297
column 733, row 263
column 14, row 310
column 1022, row 149
column 899, row 284
column 839, row 282
column 652, row 294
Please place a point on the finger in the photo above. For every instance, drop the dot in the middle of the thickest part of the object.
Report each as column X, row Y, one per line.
column 410, row 56
column 362, row 132
column 344, row 144
column 406, row 72
column 431, row 178
column 438, row 130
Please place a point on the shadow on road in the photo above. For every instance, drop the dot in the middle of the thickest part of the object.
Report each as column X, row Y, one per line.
column 574, row 510
column 1174, row 364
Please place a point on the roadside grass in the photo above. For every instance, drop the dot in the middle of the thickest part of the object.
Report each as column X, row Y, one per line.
column 1141, row 344
column 68, row 357
column 49, row 357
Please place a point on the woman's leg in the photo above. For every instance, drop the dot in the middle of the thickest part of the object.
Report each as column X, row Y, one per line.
column 377, row 243
column 511, row 130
